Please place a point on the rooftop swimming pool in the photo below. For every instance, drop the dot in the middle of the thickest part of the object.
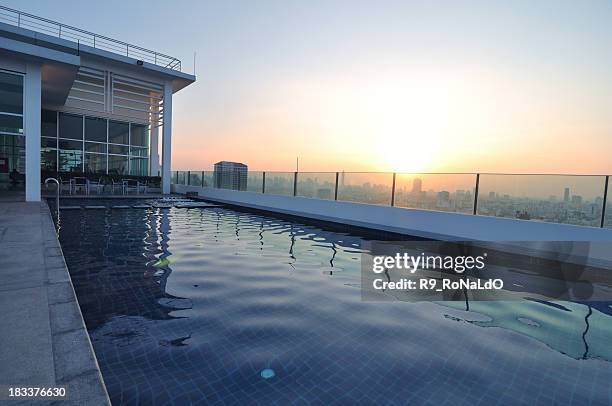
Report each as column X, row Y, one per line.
column 212, row 305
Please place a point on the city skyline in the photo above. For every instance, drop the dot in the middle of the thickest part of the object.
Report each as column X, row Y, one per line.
column 518, row 87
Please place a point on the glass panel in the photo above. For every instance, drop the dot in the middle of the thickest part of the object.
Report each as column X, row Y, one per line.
column 552, row 198
column 365, row 187
column 173, row 179
column 70, row 160
column 48, row 159
column 139, row 135
column 279, row 183
column 48, row 124
column 181, row 177
column 95, row 129
column 95, row 164
column 70, row 144
column 117, row 165
column 118, row 149
column 12, row 160
column 71, row 126
column 11, row 93
column 137, row 151
column 254, row 181
column 11, row 124
column 139, row 166
column 320, row 185
column 195, row 178
column 442, row 192
column 95, row 147
column 48, row 142
column 208, row 178
column 118, row 132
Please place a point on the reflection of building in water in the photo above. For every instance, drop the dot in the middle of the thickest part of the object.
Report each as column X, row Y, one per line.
column 230, row 175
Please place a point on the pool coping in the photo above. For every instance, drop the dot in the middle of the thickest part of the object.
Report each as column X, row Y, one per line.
column 75, row 362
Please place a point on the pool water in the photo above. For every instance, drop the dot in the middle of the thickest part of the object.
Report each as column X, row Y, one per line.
column 215, row 306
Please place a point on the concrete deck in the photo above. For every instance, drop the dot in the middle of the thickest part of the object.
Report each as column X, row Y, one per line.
column 43, row 340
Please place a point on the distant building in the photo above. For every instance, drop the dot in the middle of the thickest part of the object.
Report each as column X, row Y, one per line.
column 576, row 199
column 566, row 195
column 230, row 175
column 417, row 186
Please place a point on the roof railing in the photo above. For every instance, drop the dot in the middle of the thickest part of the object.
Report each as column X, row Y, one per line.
column 82, row 37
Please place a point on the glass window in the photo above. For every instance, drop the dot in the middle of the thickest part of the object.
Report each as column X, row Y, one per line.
column 95, row 129
column 48, row 142
column 118, row 132
column 48, row 124
column 48, row 159
column 70, row 160
column 95, row 164
column 117, row 165
column 11, row 93
column 71, row 126
column 95, row 147
column 118, row 149
column 12, row 159
column 142, row 152
column 73, row 145
column 139, row 166
column 139, row 135
column 11, row 124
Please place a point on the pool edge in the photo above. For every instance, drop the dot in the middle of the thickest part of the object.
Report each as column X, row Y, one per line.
column 75, row 362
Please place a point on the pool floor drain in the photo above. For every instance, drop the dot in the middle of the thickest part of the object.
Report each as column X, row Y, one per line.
column 267, row 373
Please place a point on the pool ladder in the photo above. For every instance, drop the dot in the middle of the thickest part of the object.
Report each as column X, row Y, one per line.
column 57, row 199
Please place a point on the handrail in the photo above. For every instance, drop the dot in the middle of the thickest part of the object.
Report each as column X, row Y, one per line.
column 57, row 199
column 598, row 214
column 96, row 40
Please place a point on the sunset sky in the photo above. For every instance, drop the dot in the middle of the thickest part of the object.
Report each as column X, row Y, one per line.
column 378, row 85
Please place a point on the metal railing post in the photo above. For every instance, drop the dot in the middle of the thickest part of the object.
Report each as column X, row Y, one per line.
column 202, row 178
column 263, row 183
column 188, row 180
column 60, row 31
column 295, row 174
column 476, row 193
column 393, row 191
column 336, row 187
column 605, row 202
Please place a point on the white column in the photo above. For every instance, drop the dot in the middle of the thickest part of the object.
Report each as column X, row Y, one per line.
column 154, row 155
column 167, row 138
column 31, row 129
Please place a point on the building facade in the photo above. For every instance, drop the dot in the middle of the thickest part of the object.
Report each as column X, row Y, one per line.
column 74, row 102
column 230, row 175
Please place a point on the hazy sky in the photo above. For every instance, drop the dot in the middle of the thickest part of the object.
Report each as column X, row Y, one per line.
column 506, row 86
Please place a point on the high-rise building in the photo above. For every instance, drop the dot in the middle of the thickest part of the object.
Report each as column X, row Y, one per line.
column 230, row 175
column 566, row 195
column 417, row 186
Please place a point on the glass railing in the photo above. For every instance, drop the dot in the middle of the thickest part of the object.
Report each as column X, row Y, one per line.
column 365, row 187
column 566, row 199
column 255, row 182
column 279, row 183
column 439, row 191
column 319, row 185
column 195, row 178
column 563, row 199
